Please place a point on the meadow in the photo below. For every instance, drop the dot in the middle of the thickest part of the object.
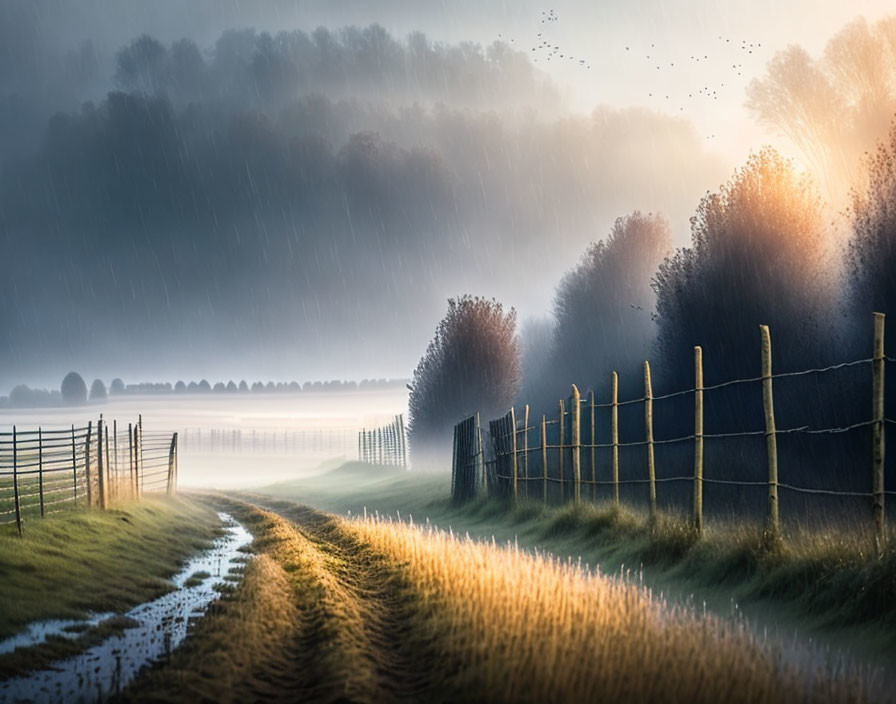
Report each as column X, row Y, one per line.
column 369, row 609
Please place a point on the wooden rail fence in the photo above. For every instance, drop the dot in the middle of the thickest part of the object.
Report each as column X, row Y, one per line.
column 386, row 445
column 47, row 470
column 506, row 461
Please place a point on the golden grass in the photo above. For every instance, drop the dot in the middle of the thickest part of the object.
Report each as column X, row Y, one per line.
column 368, row 610
column 523, row 627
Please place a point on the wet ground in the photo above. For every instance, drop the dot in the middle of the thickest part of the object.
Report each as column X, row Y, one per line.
column 157, row 628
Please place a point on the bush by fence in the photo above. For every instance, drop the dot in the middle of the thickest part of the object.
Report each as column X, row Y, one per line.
column 386, row 445
column 47, row 470
column 560, row 463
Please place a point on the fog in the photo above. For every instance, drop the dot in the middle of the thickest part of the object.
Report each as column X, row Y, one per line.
column 292, row 190
column 297, row 204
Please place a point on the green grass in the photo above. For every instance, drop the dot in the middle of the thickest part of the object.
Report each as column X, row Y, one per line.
column 82, row 561
column 830, row 581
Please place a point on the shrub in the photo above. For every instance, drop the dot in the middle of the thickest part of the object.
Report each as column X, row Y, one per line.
column 73, row 389
column 472, row 364
column 98, row 390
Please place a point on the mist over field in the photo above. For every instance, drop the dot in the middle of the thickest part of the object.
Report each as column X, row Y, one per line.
column 244, row 194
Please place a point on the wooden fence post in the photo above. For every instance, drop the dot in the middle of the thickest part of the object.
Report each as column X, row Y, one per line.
column 614, row 436
column 544, row 459
column 480, row 456
column 648, row 423
column 110, row 487
column 454, row 464
column 100, row 478
column 698, row 439
column 593, row 449
column 561, row 432
column 115, row 450
column 771, row 440
column 87, row 463
column 74, row 467
column 15, row 480
column 878, row 430
column 40, row 469
column 138, row 446
column 514, row 469
column 404, row 440
column 170, row 487
column 576, row 444
column 526, row 447
column 132, row 475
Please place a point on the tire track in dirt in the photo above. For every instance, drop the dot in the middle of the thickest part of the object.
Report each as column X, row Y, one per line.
column 319, row 617
column 368, row 613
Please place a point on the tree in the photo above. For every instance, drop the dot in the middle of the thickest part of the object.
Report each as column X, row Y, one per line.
column 603, row 306
column 832, row 108
column 757, row 256
column 204, row 387
column 73, row 389
column 244, row 387
column 116, row 387
column 180, row 388
column 472, row 364
column 872, row 248
column 98, row 390
column 231, row 387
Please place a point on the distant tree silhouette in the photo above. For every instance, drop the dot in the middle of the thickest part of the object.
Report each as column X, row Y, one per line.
column 872, row 248
column 257, row 387
column 832, row 108
column 98, row 390
column 219, row 387
column 603, row 306
column 116, row 387
column 231, row 387
column 244, row 386
column 204, row 387
column 73, row 390
column 472, row 364
column 180, row 387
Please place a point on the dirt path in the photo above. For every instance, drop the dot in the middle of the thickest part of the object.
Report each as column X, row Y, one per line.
column 319, row 618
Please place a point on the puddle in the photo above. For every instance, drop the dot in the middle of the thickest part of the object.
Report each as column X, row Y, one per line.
column 104, row 669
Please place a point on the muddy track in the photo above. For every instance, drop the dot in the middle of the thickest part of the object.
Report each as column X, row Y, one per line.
column 319, row 617
column 370, row 614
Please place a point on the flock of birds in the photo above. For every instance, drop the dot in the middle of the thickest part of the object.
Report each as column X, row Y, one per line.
column 545, row 50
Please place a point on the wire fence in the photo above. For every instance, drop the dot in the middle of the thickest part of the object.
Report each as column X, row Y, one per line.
column 48, row 470
column 505, row 458
column 386, row 445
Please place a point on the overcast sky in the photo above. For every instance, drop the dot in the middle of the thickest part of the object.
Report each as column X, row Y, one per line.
column 198, row 259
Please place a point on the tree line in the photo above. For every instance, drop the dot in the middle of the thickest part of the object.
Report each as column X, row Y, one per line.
column 73, row 390
column 761, row 252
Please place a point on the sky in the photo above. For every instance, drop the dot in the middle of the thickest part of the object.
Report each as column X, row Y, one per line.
column 159, row 243
column 668, row 32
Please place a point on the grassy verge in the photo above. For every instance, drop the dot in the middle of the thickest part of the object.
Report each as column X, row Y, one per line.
column 83, row 561
column 369, row 610
column 827, row 580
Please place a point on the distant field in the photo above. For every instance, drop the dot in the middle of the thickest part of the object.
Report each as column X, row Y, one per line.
column 327, row 412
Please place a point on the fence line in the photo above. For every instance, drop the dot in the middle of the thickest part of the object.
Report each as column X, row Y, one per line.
column 47, row 470
column 500, row 470
column 386, row 445
column 259, row 441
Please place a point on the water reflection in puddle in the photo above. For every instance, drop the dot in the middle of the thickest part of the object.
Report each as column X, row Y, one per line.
column 163, row 622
